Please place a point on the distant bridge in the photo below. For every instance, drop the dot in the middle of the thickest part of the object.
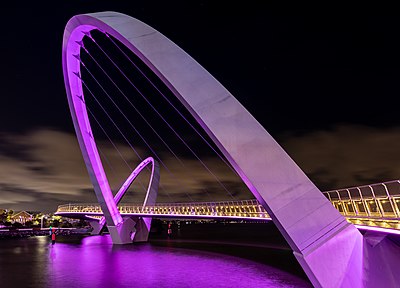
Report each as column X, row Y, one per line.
column 374, row 205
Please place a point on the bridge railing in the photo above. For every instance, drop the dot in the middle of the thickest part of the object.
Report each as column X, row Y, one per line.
column 242, row 208
column 380, row 200
column 369, row 205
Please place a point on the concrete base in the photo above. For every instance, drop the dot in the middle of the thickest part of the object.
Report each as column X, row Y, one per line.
column 131, row 230
column 124, row 232
column 337, row 262
column 143, row 226
column 381, row 261
column 97, row 227
column 349, row 259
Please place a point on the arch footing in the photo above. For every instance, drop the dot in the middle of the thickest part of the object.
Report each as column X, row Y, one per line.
column 143, row 226
column 336, row 261
column 124, row 232
column 97, row 227
column 131, row 230
column 381, row 261
column 350, row 259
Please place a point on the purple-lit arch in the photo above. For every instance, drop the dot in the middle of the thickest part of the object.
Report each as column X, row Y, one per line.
column 151, row 194
column 307, row 220
column 152, row 189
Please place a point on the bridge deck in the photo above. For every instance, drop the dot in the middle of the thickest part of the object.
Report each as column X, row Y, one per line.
column 246, row 209
column 375, row 205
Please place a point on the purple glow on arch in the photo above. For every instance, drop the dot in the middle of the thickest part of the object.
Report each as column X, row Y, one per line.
column 133, row 176
column 150, row 199
column 71, row 66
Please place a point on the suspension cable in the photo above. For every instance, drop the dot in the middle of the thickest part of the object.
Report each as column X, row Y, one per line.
column 130, row 123
column 127, row 99
column 173, row 106
column 113, row 144
column 116, row 126
column 165, row 121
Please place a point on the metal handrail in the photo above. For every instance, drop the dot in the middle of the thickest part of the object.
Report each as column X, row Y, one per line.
column 373, row 205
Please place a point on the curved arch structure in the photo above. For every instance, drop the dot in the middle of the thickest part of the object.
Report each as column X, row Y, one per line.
column 152, row 189
column 328, row 248
column 150, row 199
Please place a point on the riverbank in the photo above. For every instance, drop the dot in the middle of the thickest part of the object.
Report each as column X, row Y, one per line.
column 31, row 232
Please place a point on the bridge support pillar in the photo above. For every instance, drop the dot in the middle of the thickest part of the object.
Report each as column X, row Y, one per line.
column 96, row 227
column 381, row 261
column 350, row 259
column 336, row 261
column 143, row 226
column 131, row 230
column 124, row 232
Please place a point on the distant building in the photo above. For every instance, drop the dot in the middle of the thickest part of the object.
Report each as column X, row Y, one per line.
column 21, row 217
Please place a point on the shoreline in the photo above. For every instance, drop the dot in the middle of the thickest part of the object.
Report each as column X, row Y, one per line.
column 31, row 232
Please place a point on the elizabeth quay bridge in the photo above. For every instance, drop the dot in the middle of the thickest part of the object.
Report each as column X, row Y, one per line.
column 322, row 229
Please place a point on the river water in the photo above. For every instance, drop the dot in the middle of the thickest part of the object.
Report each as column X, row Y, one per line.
column 92, row 261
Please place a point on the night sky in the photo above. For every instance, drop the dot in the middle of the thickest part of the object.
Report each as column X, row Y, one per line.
column 325, row 86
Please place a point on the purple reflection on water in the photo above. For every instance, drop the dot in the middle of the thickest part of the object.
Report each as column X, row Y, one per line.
column 95, row 262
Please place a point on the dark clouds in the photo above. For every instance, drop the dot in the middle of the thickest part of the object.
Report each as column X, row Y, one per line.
column 346, row 155
column 62, row 176
column 51, row 166
column 18, row 196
